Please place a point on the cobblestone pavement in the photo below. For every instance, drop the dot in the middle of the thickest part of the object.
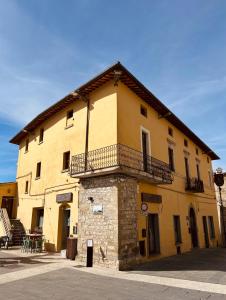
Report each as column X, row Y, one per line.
column 73, row 284
column 205, row 265
column 45, row 276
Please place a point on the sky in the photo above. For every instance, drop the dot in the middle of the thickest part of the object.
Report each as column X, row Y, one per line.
column 176, row 48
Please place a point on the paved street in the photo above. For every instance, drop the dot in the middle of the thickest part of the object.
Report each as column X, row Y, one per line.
column 27, row 276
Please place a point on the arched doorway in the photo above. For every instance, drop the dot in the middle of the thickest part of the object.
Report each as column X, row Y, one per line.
column 193, row 228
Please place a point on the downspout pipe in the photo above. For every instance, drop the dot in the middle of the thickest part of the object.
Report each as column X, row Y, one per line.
column 86, row 99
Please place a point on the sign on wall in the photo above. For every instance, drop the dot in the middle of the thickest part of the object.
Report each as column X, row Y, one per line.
column 66, row 197
column 152, row 198
column 98, row 208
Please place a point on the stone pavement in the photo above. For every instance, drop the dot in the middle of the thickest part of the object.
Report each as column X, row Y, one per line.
column 52, row 276
column 205, row 265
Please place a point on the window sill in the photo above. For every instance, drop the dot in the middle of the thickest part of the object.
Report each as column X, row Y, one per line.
column 26, row 193
column 69, row 126
column 65, row 170
column 25, row 151
column 37, row 178
column 40, row 143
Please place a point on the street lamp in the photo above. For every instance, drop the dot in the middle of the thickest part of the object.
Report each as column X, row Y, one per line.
column 219, row 181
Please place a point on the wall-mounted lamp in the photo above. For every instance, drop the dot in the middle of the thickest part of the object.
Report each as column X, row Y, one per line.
column 91, row 199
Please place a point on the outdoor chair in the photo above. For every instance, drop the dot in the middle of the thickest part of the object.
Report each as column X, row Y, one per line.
column 5, row 241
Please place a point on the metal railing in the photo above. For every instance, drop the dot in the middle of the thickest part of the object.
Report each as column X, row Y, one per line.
column 194, row 185
column 119, row 155
column 4, row 219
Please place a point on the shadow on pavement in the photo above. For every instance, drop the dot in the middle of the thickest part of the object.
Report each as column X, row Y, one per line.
column 196, row 260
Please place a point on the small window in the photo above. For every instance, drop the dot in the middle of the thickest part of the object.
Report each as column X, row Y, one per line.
column 38, row 170
column 26, row 187
column 70, row 114
column 26, row 145
column 143, row 111
column 210, row 178
column 185, row 143
column 177, row 229
column 69, row 121
column 171, row 159
column 208, row 160
column 170, row 131
column 41, row 135
column 211, row 227
column 197, row 151
column 66, row 160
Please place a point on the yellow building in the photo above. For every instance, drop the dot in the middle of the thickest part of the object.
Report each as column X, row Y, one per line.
column 8, row 198
column 113, row 166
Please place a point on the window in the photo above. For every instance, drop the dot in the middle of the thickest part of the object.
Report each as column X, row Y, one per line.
column 26, row 145
column 177, row 229
column 69, row 121
column 198, row 171
column 185, row 143
column 170, row 131
column 210, row 178
column 66, row 160
column 38, row 170
column 41, row 135
column 197, row 151
column 211, row 227
column 186, row 167
column 26, row 187
column 171, row 159
column 208, row 160
column 143, row 111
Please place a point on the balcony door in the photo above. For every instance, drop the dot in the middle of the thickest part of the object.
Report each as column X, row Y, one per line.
column 145, row 140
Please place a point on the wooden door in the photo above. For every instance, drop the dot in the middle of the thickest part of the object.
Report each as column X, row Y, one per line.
column 205, row 229
column 193, row 228
column 153, row 234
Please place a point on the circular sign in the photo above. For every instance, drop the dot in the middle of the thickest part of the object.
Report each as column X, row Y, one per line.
column 144, row 207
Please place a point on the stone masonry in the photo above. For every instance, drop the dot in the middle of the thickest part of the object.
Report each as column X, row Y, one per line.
column 114, row 230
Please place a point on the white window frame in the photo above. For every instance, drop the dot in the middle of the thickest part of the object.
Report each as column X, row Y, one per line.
column 142, row 129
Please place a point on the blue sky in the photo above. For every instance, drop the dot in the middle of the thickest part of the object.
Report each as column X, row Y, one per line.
column 176, row 48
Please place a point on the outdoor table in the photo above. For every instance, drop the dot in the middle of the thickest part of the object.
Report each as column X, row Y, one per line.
column 34, row 236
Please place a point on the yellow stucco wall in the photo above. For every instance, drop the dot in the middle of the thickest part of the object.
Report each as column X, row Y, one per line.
column 175, row 201
column 57, row 140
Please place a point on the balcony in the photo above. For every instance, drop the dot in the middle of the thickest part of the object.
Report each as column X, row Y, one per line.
column 121, row 159
column 194, row 185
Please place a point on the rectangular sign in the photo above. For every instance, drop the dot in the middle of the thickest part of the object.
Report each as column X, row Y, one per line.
column 145, row 197
column 98, row 209
column 67, row 197
column 89, row 243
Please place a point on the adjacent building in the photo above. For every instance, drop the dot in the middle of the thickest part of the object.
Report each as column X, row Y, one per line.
column 113, row 166
column 8, row 198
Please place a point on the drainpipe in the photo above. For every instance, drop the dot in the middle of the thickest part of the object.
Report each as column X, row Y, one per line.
column 87, row 132
column 86, row 99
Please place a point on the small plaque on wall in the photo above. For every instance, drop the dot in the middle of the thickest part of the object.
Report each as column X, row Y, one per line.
column 66, row 197
column 98, row 209
column 145, row 197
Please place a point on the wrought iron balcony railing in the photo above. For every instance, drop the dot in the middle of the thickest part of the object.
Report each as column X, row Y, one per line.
column 120, row 157
column 194, row 185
